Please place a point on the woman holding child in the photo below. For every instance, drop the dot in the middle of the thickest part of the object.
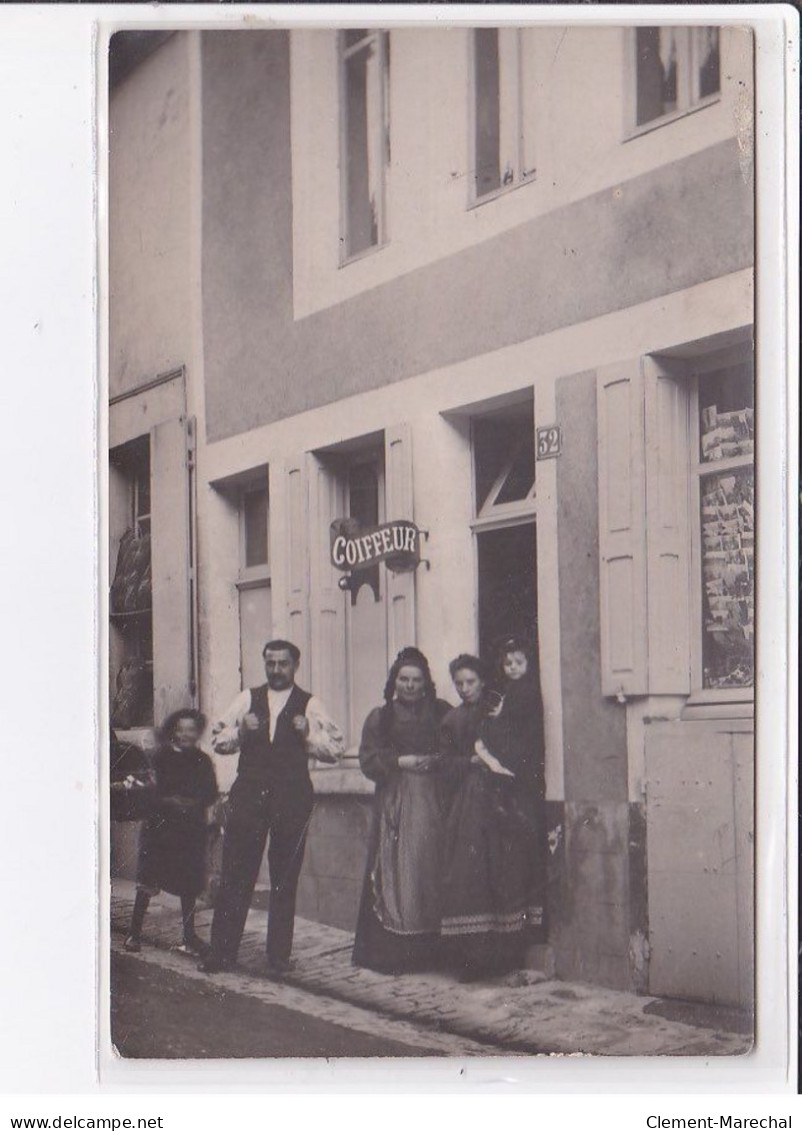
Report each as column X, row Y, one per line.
column 494, row 849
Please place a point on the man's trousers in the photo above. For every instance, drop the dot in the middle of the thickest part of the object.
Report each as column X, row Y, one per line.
column 254, row 814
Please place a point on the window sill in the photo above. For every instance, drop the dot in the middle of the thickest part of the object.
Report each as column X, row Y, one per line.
column 365, row 254
column 141, row 736
column 254, row 578
column 668, row 119
column 505, row 190
column 701, row 706
column 338, row 780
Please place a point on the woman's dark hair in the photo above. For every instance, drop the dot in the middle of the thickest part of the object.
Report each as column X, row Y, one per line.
column 167, row 729
column 406, row 658
column 472, row 663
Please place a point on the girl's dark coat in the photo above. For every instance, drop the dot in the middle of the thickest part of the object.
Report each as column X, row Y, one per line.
column 172, row 848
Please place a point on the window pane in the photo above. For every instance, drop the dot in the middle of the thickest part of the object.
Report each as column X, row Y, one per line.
column 363, row 505
column 497, row 438
column 486, row 84
column 521, row 477
column 707, row 60
column 364, row 129
column 728, row 540
column 726, row 414
column 656, row 68
column 364, row 493
column 142, row 490
column 354, row 36
column 254, row 509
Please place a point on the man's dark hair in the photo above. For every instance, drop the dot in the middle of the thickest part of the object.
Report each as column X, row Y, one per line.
column 282, row 646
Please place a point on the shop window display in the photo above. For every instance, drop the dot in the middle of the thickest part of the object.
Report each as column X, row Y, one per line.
column 130, row 597
column 727, row 527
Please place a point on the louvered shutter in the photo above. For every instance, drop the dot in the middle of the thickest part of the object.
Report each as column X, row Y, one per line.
column 399, row 504
column 296, row 549
column 668, row 570
column 172, row 566
column 622, row 529
column 327, row 600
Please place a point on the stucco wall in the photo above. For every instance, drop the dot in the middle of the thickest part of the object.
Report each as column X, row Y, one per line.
column 591, row 927
column 660, row 232
column 149, row 219
column 594, row 729
column 335, row 860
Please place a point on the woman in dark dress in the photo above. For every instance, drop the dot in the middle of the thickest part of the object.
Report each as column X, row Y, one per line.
column 399, row 917
column 494, row 852
column 172, row 847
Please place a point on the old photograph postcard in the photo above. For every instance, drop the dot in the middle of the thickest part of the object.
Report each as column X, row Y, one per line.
column 431, row 512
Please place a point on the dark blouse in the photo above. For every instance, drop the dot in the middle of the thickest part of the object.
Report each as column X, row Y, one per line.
column 185, row 774
column 415, row 730
column 516, row 735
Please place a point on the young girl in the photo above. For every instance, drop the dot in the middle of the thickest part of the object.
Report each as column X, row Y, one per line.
column 172, row 848
column 512, row 741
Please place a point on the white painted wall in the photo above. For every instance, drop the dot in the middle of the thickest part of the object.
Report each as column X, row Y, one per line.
column 150, row 229
column 577, row 93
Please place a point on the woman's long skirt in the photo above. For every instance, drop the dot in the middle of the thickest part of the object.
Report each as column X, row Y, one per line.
column 494, row 877
column 399, row 916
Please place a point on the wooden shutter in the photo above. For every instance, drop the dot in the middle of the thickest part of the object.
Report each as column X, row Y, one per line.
column 399, row 504
column 622, row 529
column 172, row 561
column 296, row 542
column 327, row 600
column 667, row 528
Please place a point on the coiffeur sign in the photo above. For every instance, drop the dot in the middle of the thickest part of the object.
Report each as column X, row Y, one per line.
column 353, row 548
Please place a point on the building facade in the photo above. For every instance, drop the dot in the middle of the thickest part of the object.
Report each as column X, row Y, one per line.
column 497, row 282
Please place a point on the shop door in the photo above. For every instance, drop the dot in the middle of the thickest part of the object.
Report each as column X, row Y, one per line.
column 366, row 603
column 507, row 584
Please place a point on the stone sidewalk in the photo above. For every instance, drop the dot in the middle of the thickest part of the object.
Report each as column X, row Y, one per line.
column 522, row 1013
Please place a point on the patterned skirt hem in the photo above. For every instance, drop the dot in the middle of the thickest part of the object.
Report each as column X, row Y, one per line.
column 500, row 924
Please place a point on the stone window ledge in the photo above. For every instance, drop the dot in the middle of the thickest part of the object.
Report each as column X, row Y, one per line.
column 340, row 779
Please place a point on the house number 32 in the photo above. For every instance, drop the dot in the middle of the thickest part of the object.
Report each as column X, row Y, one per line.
column 549, row 441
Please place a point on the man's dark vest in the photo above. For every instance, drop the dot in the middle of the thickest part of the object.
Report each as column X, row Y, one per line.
column 283, row 764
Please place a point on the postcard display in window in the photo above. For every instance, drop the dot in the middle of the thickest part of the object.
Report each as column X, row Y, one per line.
column 726, row 429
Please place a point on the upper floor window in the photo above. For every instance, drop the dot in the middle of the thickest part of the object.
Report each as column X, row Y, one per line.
column 499, row 143
column 365, row 133
column 676, row 69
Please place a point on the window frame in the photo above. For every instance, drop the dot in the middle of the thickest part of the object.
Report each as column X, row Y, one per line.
column 135, row 628
column 344, row 52
column 522, row 175
column 685, row 85
column 252, row 577
column 735, row 697
column 495, row 516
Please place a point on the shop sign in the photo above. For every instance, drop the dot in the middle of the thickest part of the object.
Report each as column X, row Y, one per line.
column 353, row 547
column 549, row 441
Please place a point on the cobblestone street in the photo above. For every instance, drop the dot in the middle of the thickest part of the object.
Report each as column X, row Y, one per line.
column 432, row 1013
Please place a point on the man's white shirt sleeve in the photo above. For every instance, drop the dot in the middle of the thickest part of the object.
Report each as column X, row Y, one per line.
column 225, row 732
column 325, row 740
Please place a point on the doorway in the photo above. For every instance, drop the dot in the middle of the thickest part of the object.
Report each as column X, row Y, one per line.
column 507, row 584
